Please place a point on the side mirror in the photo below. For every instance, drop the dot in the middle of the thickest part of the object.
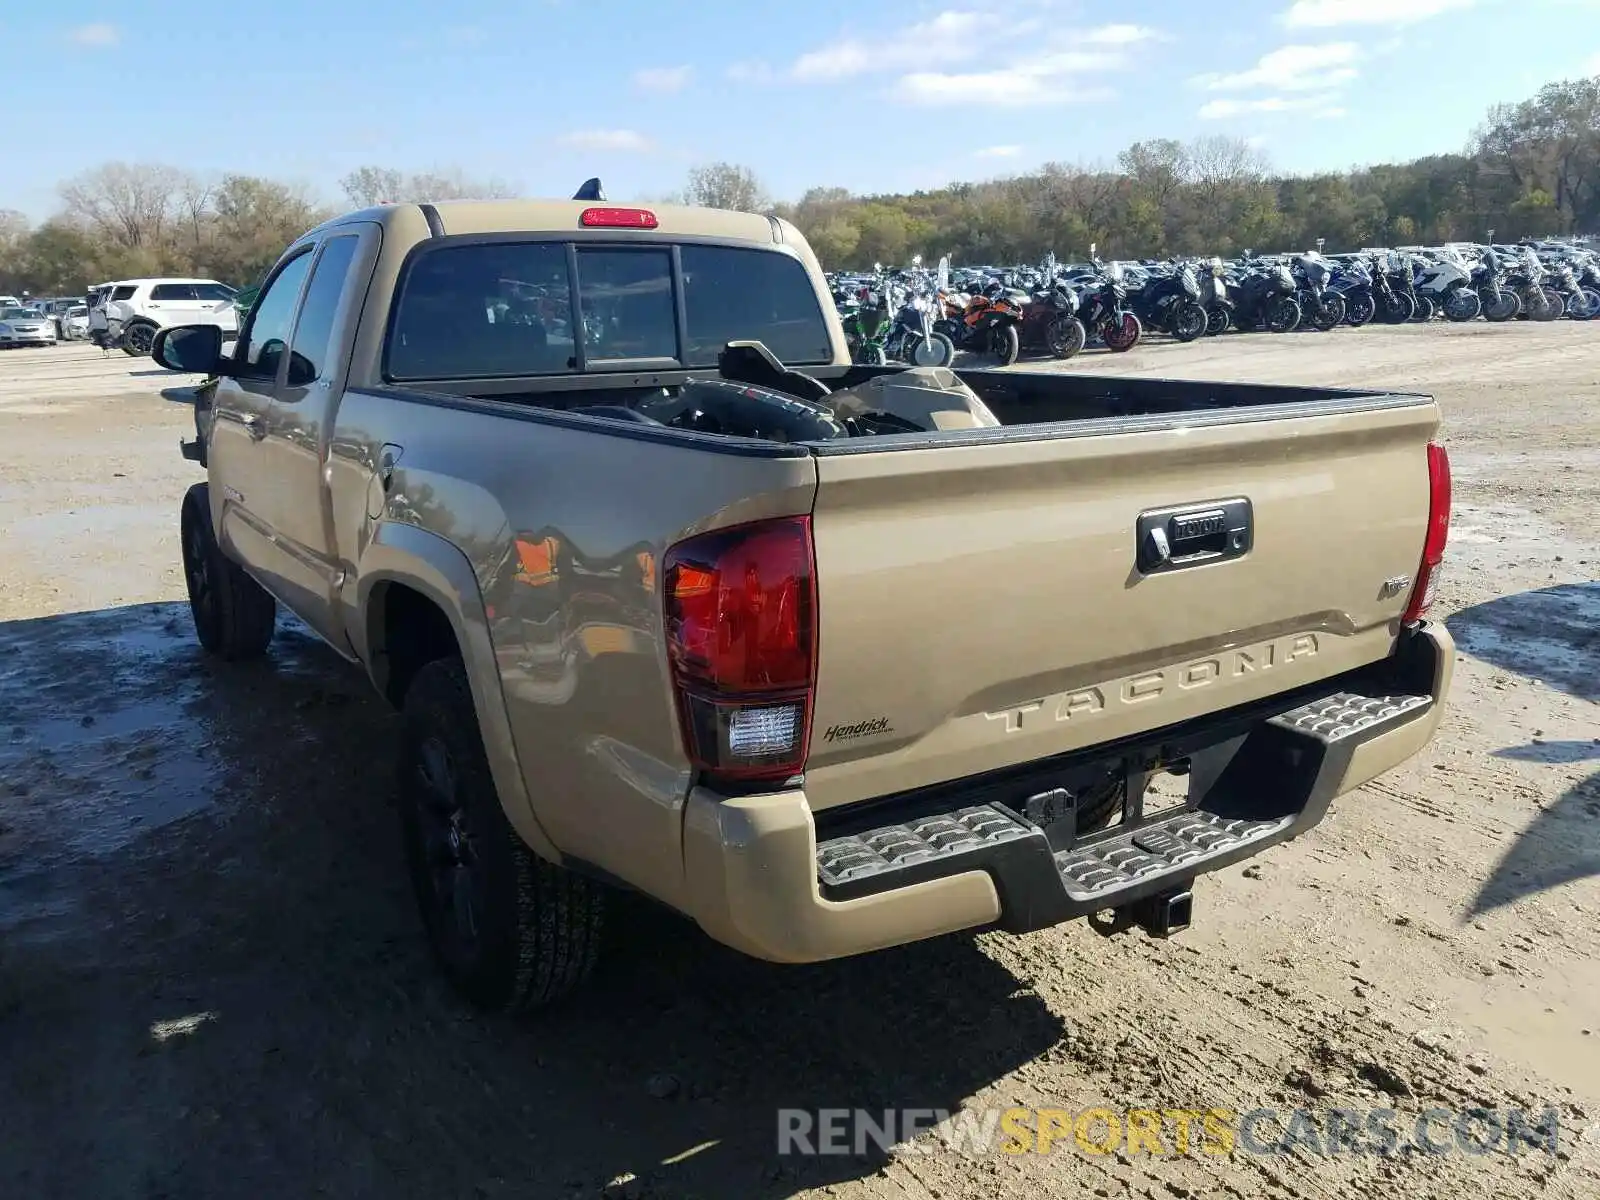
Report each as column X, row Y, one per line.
column 192, row 349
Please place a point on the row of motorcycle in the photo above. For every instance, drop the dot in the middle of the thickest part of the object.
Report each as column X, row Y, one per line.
column 921, row 317
column 924, row 317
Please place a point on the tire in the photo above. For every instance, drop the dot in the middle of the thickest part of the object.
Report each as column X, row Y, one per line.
column 1359, row 308
column 234, row 616
column 1331, row 315
column 1005, row 344
column 1583, row 305
column 1282, row 314
column 870, row 355
column 1425, row 309
column 1462, row 304
column 1508, row 306
column 933, row 351
column 510, row 931
column 1189, row 320
column 137, row 339
column 1065, row 336
column 1218, row 321
column 1122, row 336
column 1401, row 309
column 1554, row 305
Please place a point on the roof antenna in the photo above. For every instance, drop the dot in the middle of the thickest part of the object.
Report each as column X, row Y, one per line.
column 591, row 190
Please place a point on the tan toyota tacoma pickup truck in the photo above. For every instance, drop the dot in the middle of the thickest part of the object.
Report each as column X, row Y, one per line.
column 828, row 658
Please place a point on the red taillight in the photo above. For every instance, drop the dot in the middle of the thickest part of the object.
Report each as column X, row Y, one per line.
column 618, row 218
column 741, row 622
column 1427, row 583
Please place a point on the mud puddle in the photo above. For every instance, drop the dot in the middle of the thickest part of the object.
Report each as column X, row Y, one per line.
column 114, row 729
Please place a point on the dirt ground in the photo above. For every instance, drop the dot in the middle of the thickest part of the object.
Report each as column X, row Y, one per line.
column 212, row 983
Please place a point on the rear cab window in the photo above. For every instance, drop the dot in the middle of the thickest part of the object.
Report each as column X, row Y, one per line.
column 510, row 308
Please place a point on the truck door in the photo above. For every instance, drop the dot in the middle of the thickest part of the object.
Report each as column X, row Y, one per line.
column 242, row 483
column 296, row 504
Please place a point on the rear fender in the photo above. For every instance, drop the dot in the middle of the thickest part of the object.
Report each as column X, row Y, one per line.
column 437, row 569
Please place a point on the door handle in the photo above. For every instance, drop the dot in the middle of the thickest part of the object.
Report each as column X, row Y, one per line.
column 251, row 421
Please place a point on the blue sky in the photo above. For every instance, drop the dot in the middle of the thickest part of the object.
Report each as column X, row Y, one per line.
column 875, row 96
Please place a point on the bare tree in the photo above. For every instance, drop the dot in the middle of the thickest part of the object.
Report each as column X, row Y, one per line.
column 1219, row 160
column 132, row 204
column 453, row 185
column 194, row 206
column 725, row 185
column 367, row 186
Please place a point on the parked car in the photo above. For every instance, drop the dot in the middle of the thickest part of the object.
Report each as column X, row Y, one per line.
column 74, row 323
column 137, row 309
column 21, row 326
column 827, row 657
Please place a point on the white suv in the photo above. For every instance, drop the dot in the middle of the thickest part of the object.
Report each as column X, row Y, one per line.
column 136, row 309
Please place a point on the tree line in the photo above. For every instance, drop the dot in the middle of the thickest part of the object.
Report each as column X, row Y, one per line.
column 1532, row 169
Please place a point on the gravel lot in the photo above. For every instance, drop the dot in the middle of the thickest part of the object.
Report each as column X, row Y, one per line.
column 212, row 983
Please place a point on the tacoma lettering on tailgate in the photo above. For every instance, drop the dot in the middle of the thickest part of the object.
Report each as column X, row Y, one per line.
column 1164, row 681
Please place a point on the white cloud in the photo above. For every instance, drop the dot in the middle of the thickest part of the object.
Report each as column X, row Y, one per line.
column 962, row 57
column 97, row 34
column 1293, row 69
column 1326, row 14
column 1321, row 106
column 997, row 152
column 948, row 37
column 1119, row 35
column 1029, row 83
column 1017, row 49
column 751, row 72
column 624, row 141
column 663, row 79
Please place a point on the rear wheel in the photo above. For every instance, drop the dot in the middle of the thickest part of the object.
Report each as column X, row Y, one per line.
column 1425, row 309
column 1218, row 321
column 1065, row 336
column 138, row 337
column 1553, row 304
column 234, row 616
column 1359, row 308
column 511, row 931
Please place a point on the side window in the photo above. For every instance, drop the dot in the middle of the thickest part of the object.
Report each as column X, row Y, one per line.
column 309, row 357
column 123, row 293
column 262, row 345
column 733, row 293
column 212, row 292
column 172, row 291
column 500, row 309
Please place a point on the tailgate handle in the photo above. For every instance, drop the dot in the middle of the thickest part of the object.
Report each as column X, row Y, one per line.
column 1191, row 535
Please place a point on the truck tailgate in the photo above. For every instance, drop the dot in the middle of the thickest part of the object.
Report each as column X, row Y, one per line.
column 984, row 604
